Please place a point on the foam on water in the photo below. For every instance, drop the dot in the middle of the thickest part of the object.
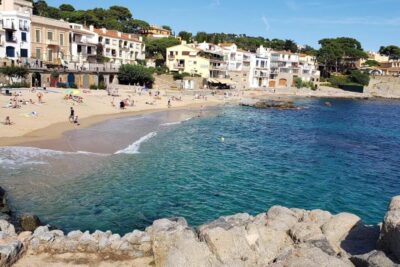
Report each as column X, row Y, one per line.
column 176, row 122
column 134, row 148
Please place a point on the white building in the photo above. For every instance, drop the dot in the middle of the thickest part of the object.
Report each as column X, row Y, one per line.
column 260, row 68
column 120, row 48
column 83, row 44
column 15, row 22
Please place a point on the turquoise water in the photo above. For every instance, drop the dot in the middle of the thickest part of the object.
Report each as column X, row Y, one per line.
column 340, row 158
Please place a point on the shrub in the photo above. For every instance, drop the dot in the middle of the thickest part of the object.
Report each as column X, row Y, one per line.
column 298, row 82
column 359, row 77
column 133, row 74
column 73, row 86
column 93, row 87
column 180, row 76
column 101, row 86
column 19, row 85
column 336, row 81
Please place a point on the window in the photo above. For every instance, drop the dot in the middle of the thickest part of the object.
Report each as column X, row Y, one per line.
column 107, row 41
column 38, row 53
column 10, row 51
column 61, row 38
column 50, row 36
column 89, row 50
column 50, row 55
column 79, row 49
column 37, row 34
column 24, row 53
column 23, row 36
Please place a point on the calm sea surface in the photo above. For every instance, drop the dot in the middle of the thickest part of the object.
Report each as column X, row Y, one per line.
column 340, row 158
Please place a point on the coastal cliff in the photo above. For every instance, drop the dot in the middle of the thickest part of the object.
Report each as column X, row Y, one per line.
column 279, row 237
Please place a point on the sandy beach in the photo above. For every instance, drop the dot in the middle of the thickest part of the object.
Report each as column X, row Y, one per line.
column 48, row 120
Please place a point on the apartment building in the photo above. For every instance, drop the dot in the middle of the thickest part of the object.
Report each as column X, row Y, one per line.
column 189, row 59
column 15, row 26
column 260, row 68
column 308, row 68
column 120, row 48
column 50, row 40
column 156, row 32
column 83, row 44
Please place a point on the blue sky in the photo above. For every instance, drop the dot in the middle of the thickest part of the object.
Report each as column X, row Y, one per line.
column 373, row 22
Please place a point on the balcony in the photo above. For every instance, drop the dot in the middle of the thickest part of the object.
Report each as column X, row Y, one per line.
column 52, row 42
column 9, row 26
column 179, row 66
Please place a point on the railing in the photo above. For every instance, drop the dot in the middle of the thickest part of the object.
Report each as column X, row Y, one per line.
column 51, row 42
column 9, row 26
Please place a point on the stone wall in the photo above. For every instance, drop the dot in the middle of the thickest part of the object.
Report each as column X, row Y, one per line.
column 280, row 237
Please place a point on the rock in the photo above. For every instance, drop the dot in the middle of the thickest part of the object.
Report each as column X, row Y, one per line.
column 361, row 239
column 75, row 235
column 43, row 234
column 24, row 237
column 338, row 227
column 267, row 103
column 319, row 217
column 309, row 257
column 29, row 222
column 305, row 231
column 7, row 228
column 228, row 222
column 323, row 244
column 389, row 239
column 87, row 243
column 281, row 218
column 10, row 253
column 176, row 245
column 135, row 238
column 373, row 259
column 3, row 202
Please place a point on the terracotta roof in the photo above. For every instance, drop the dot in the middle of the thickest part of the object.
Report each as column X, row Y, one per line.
column 115, row 34
column 225, row 44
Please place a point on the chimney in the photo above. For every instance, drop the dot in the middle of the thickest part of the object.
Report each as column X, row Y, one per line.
column 91, row 28
column 184, row 42
column 119, row 34
column 104, row 30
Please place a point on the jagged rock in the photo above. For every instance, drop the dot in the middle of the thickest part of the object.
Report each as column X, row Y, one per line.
column 75, row 235
column 305, row 231
column 373, row 259
column 338, row 227
column 176, row 245
column 389, row 239
column 43, row 234
column 29, row 222
column 10, row 253
column 135, row 238
column 267, row 103
column 7, row 228
column 281, row 218
column 319, row 217
column 361, row 239
column 3, row 202
column 87, row 243
column 309, row 257
column 323, row 244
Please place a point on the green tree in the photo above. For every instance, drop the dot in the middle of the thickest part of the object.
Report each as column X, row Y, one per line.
column 201, row 37
column 67, row 8
column 120, row 13
column 14, row 72
column 157, row 48
column 359, row 77
column 392, row 51
column 186, row 36
column 135, row 74
column 291, row 46
column 308, row 50
column 371, row 63
column 166, row 27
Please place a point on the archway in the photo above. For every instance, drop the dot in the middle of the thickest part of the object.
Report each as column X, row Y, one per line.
column 36, row 79
column 86, row 81
column 283, row 82
column 272, row 84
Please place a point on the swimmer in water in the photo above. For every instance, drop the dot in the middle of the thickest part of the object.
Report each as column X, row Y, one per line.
column 222, row 139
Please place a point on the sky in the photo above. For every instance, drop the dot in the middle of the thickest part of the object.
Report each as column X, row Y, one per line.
column 373, row 22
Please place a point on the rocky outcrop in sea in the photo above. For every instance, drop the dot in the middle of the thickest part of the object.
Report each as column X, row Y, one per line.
column 277, row 238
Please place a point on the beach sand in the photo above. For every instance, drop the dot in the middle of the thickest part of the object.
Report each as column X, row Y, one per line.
column 52, row 116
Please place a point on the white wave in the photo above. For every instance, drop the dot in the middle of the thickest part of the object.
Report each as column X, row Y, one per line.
column 17, row 156
column 176, row 122
column 134, row 148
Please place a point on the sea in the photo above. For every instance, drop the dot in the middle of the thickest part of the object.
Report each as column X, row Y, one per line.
column 122, row 174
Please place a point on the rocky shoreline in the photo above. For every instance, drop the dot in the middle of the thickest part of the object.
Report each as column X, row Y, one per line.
column 280, row 237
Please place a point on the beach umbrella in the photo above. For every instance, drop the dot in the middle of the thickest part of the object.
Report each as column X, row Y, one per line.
column 72, row 92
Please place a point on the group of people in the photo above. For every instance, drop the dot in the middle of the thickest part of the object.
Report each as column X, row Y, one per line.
column 127, row 102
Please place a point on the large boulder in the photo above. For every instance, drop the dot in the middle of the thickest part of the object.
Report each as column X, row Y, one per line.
column 281, row 218
column 10, row 253
column 373, row 259
column 389, row 239
column 310, row 257
column 3, row 202
column 338, row 227
column 174, row 244
column 29, row 222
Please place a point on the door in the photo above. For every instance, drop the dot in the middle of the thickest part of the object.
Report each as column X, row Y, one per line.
column 283, row 82
column 272, row 84
column 71, row 79
column 86, row 81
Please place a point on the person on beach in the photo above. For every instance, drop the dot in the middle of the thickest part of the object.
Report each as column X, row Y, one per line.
column 8, row 121
column 72, row 115
column 122, row 105
column 40, row 96
column 169, row 103
column 76, row 122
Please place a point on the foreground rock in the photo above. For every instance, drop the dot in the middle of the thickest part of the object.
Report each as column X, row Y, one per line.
column 389, row 240
column 281, row 237
column 268, row 104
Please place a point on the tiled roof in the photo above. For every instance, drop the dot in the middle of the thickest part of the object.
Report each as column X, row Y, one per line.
column 115, row 34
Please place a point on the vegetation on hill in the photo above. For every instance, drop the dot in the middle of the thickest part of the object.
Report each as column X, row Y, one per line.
column 392, row 51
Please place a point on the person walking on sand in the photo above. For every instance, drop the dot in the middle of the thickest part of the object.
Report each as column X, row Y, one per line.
column 40, row 96
column 72, row 115
column 76, row 122
column 169, row 103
